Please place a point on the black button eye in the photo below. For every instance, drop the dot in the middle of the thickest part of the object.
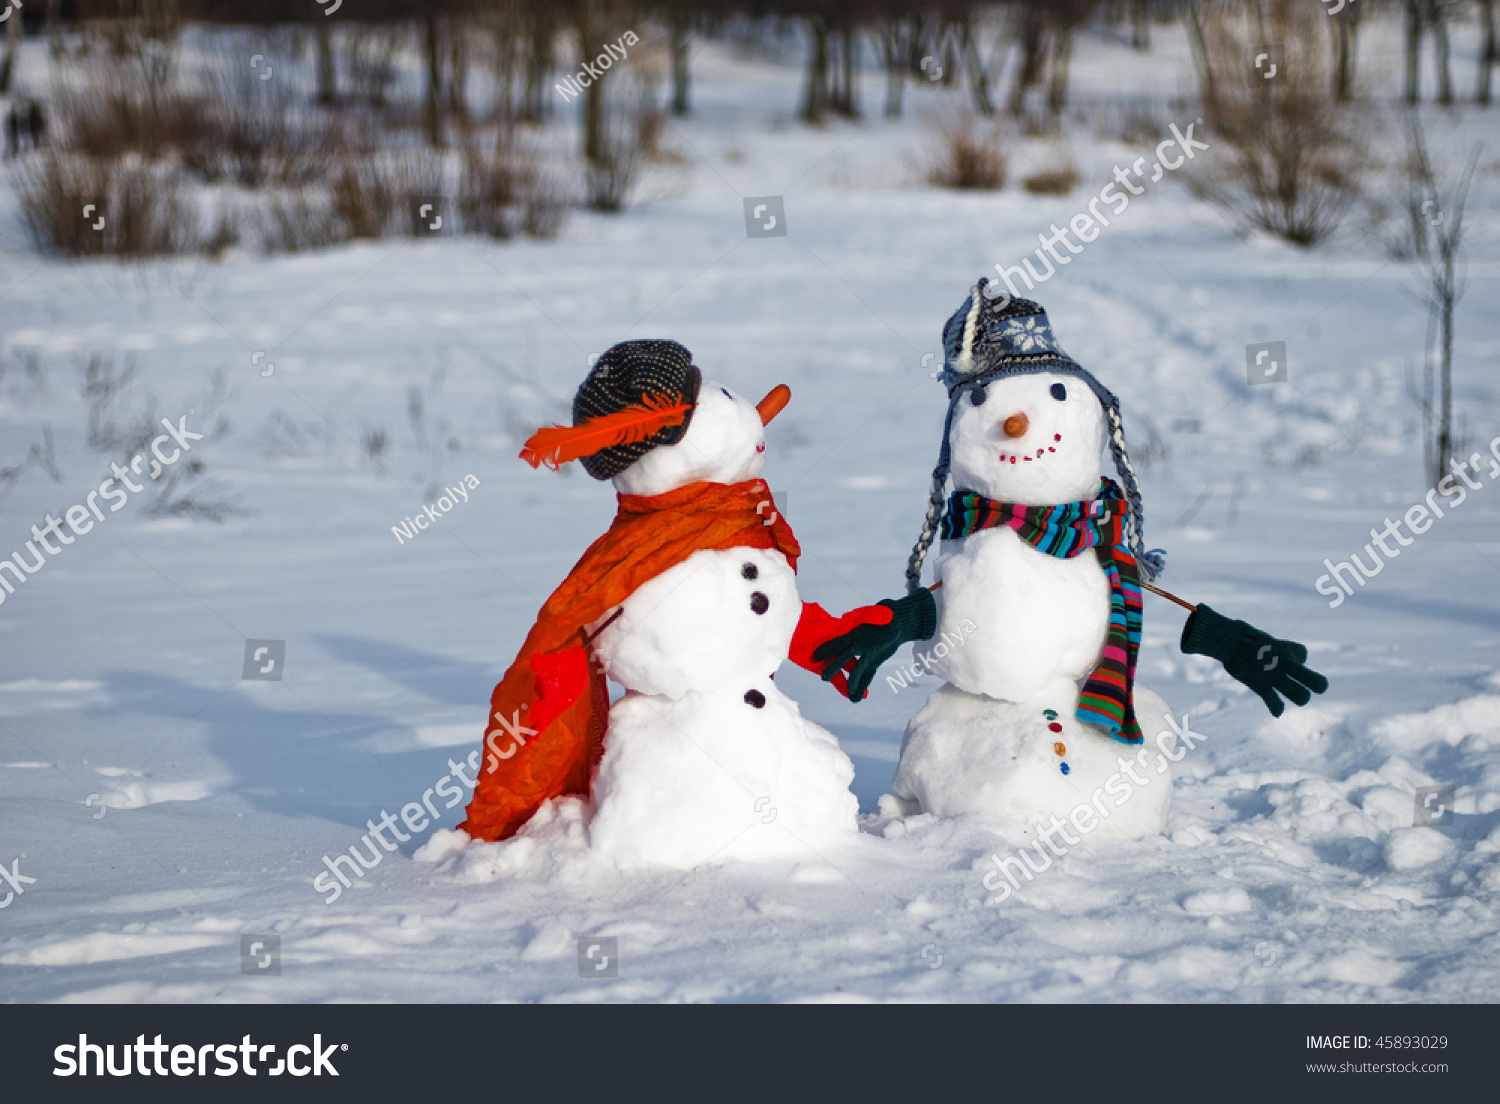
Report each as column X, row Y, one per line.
column 1059, row 392
column 977, row 396
column 750, row 571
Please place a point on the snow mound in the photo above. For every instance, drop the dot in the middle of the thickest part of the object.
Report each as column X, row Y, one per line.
column 1417, row 848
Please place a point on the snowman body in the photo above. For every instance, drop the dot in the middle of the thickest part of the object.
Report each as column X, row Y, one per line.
column 1001, row 736
column 705, row 760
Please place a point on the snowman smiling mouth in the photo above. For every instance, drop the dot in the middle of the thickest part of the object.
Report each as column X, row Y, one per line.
column 1030, row 456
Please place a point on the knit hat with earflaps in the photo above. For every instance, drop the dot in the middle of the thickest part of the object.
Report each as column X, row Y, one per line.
column 988, row 339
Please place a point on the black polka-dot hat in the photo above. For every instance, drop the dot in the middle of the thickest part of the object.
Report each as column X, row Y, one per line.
column 638, row 396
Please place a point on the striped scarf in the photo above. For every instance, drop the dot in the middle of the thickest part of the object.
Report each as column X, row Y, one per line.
column 1066, row 531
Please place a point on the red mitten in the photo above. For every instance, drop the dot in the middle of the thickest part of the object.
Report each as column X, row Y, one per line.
column 817, row 626
column 561, row 679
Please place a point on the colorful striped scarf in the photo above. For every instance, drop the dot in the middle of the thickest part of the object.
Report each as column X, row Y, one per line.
column 1066, row 531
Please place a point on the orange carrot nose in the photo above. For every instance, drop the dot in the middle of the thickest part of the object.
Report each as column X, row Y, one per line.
column 773, row 403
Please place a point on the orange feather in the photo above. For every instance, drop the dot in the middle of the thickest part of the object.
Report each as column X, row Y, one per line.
column 556, row 445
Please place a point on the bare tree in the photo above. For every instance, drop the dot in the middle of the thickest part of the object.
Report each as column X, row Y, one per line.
column 1197, row 16
column 1345, row 34
column 1414, row 24
column 1434, row 239
column 12, row 39
column 1438, row 15
column 892, row 37
column 1487, row 51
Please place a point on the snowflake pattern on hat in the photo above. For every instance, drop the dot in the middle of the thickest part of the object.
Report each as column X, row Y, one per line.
column 1029, row 335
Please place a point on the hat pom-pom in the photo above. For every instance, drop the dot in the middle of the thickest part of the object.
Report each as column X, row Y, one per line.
column 1153, row 563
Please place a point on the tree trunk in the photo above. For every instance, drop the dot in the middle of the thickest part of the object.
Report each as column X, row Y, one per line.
column 1057, row 91
column 849, row 100
column 434, row 64
column 1208, row 85
column 916, row 44
column 1440, row 49
column 679, row 62
column 1032, row 59
column 815, row 95
column 458, row 71
column 538, row 62
column 12, row 39
column 1140, row 25
column 1413, row 51
column 595, row 149
column 1343, row 64
column 54, row 28
column 328, row 91
column 502, row 27
column 950, row 47
column 1486, row 51
column 979, row 78
column 895, row 67
column 1445, row 365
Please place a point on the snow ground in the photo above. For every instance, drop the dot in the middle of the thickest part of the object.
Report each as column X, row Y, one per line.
column 1290, row 871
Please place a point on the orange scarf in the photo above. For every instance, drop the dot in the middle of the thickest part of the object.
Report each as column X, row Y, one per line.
column 534, row 752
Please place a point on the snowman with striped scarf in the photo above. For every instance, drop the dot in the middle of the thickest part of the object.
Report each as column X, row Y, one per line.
column 1034, row 619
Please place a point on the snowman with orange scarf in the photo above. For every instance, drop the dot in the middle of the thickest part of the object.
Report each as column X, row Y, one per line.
column 690, row 602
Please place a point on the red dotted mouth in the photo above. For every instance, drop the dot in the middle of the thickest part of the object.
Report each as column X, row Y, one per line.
column 1028, row 457
column 760, row 447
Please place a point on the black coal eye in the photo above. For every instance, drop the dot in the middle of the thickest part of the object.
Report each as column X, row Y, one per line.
column 727, row 395
column 1059, row 392
column 977, row 396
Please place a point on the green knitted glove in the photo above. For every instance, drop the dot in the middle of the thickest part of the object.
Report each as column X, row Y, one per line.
column 1258, row 660
column 912, row 618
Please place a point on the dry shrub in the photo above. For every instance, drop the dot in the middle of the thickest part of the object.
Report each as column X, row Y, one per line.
column 1289, row 161
column 1052, row 180
column 108, row 117
column 609, row 178
column 965, row 154
column 503, row 190
column 294, row 221
column 144, row 208
column 251, row 134
column 367, row 192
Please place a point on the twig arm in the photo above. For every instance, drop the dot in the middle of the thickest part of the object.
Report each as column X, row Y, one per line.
column 1170, row 597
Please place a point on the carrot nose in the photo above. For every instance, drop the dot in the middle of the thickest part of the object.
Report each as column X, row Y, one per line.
column 773, row 403
column 1015, row 425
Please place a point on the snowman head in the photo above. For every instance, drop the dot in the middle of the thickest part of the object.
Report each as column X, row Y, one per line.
column 1032, row 439
column 724, row 443
column 1025, row 423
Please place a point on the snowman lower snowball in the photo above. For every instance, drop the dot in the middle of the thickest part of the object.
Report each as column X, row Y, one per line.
column 1035, row 618
column 690, row 602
